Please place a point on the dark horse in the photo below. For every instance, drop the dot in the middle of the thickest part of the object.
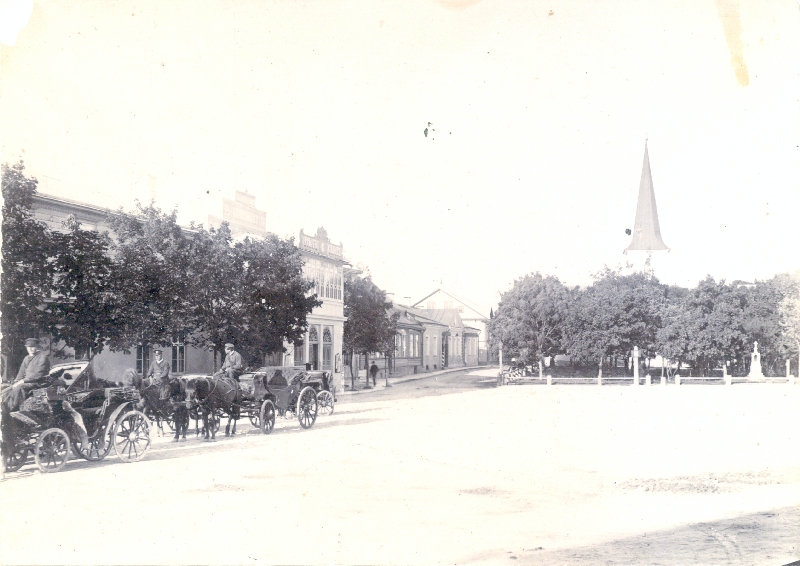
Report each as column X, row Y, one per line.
column 214, row 395
column 165, row 403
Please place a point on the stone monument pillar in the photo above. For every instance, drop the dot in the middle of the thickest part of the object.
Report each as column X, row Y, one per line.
column 755, row 364
column 636, row 365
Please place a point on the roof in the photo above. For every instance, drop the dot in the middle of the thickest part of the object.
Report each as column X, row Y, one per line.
column 467, row 303
column 646, row 229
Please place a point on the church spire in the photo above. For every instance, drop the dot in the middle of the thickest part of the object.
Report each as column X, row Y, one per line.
column 646, row 230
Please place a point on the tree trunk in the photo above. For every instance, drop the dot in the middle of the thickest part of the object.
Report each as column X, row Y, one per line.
column 541, row 367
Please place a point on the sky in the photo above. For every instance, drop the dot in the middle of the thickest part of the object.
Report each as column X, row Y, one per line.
column 537, row 114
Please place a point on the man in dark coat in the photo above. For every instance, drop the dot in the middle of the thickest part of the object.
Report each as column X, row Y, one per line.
column 373, row 371
column 159, row 372
column 33, row 373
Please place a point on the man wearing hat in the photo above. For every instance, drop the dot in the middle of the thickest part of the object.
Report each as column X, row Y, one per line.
column 159, row 369
column 232, row 366
column 32, row 374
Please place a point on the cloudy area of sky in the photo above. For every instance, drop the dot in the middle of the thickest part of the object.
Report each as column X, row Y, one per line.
column 538, row 115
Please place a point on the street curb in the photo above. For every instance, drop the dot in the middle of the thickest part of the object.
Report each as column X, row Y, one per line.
column 412, row 377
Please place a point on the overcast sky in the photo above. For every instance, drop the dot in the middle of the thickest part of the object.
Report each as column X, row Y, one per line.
column 538, row 114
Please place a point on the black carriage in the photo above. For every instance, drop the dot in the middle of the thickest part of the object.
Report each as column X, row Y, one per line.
column 48, row 423
column 287, row 392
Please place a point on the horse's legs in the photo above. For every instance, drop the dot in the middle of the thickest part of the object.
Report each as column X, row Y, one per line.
column 213, row 426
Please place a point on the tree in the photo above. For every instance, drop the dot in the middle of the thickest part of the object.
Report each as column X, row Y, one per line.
column 615, row 314
column 789, row 313
column 251, row 293
column 150, row 265
column 530, row 318
column 26, row 265
column 83, row 307
column 214, row 273
column 368, row 327
column 274, row 295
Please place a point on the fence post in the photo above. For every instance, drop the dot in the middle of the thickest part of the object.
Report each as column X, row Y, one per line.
column 677, row 378
column 549, row 380
column 649, row 380
column 636, row 365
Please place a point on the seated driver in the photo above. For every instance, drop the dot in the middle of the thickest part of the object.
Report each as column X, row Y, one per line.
column 159, row 371
column 232, row 366
column 33, row 374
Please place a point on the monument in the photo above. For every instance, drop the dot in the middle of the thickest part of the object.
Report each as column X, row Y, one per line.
column 755, row 364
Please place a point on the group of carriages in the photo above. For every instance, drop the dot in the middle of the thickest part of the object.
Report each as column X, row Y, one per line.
column 88, row 416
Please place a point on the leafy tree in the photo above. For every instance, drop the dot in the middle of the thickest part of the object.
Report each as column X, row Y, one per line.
column 274, row 295
column 530, row 318
column 214, row 274
column 251, row 293
column 149, row 277
column 614, row 314
column 762, row 319
column 789, row 313
column 26, row 265
column 83, row 308
column 368, row 326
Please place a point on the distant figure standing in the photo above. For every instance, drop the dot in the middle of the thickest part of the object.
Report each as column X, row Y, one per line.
column 232, row 366
column 373, row 371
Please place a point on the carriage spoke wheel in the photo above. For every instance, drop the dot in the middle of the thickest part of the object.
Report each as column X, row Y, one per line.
column 98, row 448
column 16, row 458
column 267, row 417
column 255, row 419
column 307, row 407
column 325, row 402
column 52, row 450
column 131, row 436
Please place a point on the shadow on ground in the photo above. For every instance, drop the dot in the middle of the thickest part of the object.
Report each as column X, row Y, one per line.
column 760, row 538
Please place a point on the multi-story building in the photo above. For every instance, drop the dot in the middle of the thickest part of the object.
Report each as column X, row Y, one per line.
column 321, row 347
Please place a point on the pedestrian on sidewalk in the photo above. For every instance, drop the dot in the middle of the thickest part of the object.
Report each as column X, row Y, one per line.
column 373, row 370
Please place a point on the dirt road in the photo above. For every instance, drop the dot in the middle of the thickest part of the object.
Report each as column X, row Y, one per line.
column 533, row 475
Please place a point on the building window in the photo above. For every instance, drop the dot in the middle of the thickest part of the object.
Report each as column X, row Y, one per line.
column 178, row 354
column 298, row 353
column 427, row 345
column 327, row 347
column 142, row 359
column 448, row 304
column 430, row 305
column 313, row 347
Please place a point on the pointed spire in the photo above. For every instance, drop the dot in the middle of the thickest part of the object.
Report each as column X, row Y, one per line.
column 646, row 230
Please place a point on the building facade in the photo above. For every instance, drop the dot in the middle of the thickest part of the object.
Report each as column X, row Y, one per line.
column 469, row 314
column 323, row 264
column 321, row 348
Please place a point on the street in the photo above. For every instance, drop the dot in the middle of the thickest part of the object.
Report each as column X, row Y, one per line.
column 444, row 470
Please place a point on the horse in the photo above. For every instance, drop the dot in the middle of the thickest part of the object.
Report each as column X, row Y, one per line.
column 166, row 402
column 212, row 395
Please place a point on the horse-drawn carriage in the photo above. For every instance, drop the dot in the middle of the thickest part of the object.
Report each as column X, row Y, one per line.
column 82, row 411
column 287, row 392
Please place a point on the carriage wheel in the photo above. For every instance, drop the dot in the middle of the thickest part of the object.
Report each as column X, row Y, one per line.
column 255, row 419
column 307, row 407
column 16, row 458
column 52, row 450
column 325, row 401
column 267, row 417
column 131, row 436
column 98, row 448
